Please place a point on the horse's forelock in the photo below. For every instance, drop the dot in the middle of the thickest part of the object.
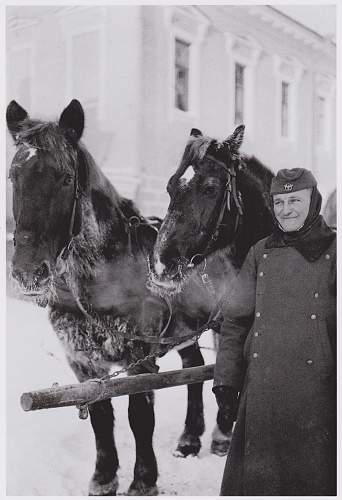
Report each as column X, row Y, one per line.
column 195, row 150
column 198, row 146
column 47, row 136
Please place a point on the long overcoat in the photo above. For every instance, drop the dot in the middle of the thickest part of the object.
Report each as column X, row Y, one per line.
column 278, row 348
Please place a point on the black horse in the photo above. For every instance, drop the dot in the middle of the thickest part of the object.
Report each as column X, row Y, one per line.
column 218, row 209
column 83, row 249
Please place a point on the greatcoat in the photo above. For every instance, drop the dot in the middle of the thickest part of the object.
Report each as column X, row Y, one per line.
column 278, row 347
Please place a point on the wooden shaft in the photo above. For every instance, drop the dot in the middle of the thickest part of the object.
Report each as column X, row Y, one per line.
column 75, row 394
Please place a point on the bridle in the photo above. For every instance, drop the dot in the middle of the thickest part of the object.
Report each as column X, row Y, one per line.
column 72, row 232
column 64, row 252
column 231, row 196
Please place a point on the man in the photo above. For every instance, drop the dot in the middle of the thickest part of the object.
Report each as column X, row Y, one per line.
column 277, row 352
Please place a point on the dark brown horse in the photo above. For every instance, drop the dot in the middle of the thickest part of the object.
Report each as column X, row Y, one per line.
column 218, row 209
column 82, row 249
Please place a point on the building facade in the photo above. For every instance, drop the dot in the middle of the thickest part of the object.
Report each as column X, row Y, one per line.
column 146, row 75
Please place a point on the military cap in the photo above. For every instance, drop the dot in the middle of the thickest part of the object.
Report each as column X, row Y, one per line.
column 293, row 179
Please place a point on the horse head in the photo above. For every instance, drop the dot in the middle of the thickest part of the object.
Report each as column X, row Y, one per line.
column 48, row 180
column 204, row 199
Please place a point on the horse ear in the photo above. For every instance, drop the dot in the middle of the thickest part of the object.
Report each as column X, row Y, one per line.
column 72, row 121
column 235, row 140
column 15, row 115
column 196, row 133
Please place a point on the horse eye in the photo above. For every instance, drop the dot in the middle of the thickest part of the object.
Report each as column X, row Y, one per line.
column 67, row 180
column 209, row 190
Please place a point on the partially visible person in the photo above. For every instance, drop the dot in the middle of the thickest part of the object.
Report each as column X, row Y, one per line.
column 329, row 211
column 276, row 365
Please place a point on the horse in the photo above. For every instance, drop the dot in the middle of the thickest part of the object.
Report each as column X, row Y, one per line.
column 82, row 250
column 218, row 208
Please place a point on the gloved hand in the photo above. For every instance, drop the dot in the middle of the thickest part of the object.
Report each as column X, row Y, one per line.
column 227, row 401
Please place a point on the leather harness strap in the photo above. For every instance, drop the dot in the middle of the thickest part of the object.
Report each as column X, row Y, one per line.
column 230, row 191
column 71, row 233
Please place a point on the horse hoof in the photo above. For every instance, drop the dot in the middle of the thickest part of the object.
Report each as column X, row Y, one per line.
column 180, row 454
column 108, row 489
column 220, row 448
column 188, row 445
column 139, row 488
column 220, row 442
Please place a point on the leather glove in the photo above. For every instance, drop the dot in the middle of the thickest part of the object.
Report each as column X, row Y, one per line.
column 227, row 401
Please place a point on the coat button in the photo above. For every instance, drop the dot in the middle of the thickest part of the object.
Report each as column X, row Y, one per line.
column 256, row 334
column 309, row 361
column 258, row 314
column 261, row 273
column 313, row 316
column 327, row 256
column 316, row 295
column 255, row 354
column 265, row 256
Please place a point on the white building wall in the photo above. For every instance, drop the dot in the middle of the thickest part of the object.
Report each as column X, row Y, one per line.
column 132, row 128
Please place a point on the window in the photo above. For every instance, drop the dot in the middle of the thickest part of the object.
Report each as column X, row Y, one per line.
column 288, row 76
column 320, row 121
column 243, row 57
column 186, row 28
column 284, row 109
column 182, row 58
column 239, row 93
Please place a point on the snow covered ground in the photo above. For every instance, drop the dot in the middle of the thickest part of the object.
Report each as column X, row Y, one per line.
column 52, row 452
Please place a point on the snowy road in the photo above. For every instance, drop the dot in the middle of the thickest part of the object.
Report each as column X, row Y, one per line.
column 52, row 452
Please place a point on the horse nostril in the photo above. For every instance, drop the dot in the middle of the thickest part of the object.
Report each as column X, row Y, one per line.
column 16, row 275
column 171, row 258
column 43, row 272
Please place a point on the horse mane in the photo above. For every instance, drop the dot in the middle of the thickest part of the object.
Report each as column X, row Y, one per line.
column 254, row 180
column 256, row 173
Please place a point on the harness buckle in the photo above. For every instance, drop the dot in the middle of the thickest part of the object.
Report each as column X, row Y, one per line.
column 205, row 278
column 134, row 221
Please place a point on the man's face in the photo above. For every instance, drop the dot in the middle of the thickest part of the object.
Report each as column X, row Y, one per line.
column 291, row 209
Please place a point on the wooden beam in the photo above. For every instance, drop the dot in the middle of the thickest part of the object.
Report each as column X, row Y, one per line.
column 75, row 394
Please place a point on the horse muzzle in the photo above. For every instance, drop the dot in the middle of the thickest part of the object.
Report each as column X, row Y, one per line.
column 34, row 283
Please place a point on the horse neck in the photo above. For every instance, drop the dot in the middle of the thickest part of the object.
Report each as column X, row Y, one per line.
column 253, row 182
column 103, row 230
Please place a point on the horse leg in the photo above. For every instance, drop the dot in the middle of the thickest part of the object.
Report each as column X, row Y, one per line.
column 104, row 481
column 141, row 420
column 189, row 442
column 221, row 438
